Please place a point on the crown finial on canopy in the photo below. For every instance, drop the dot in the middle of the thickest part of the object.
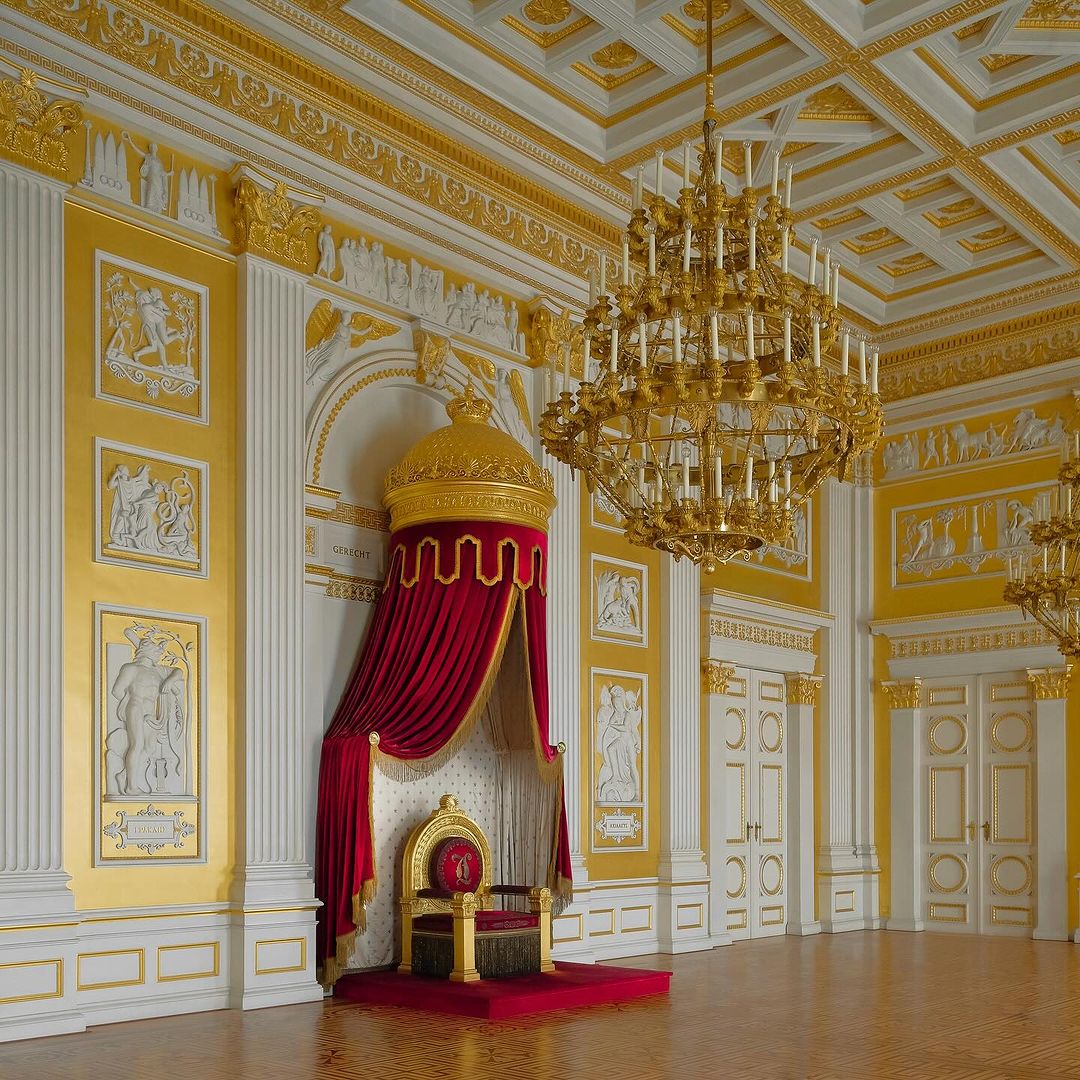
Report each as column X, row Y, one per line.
column 467, row 407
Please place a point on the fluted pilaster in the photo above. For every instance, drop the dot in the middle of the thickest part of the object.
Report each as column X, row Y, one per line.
column 683, row 873
column 847, row 857
column 32, row 880
column 274, row 871
column 36, row 903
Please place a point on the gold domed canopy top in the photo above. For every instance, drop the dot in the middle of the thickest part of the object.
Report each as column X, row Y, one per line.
column 468, row 471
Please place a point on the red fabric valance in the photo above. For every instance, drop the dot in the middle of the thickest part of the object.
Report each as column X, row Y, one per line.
column 430, row 658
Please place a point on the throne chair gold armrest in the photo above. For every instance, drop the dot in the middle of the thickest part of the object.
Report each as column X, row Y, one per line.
column 450, row 925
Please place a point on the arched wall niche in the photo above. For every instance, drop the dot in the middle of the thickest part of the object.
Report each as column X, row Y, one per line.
column 362, row 423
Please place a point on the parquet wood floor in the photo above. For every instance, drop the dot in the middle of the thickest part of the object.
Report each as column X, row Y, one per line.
column 860, row 1006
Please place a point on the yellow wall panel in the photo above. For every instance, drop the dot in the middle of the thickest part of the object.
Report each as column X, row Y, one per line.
column 88, row 582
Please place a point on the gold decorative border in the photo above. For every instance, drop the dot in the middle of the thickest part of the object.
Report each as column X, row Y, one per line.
column 215, row 945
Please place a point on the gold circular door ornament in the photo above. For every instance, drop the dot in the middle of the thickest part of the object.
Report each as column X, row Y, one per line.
column 736, row 720
column 947, row 873
column 1011, row 732
column 736, row 871
column 947, row 735
column 1010, row 875
column 771, row 875
column 771, row 732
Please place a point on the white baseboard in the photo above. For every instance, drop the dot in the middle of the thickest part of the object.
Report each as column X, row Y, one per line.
column 108, row 966
column 906, row 925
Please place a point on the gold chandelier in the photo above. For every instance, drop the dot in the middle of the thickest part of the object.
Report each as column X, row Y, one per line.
column 713, row 403
column 1046, row 586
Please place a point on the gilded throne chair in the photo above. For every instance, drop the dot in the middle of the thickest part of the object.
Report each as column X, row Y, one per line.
column 450, row 924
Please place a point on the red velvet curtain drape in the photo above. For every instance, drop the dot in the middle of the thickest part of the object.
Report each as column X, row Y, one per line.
column 427, row 665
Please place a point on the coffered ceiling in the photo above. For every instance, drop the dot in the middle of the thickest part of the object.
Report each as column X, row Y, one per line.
column 935, row 146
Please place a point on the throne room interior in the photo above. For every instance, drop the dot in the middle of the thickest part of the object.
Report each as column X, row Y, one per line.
column 505, row 500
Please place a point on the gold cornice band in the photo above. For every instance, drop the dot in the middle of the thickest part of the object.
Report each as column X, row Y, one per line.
column 464, row 500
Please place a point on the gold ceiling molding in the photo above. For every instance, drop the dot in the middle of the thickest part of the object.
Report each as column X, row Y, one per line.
column 980, row 104
column 1066, row 189
column 994, row 304
column 953, row 151
column 994, row 62
column 33, row 128
column 1051, row 15
column 236, row 151
column 908, row 264
column 835, row 103
column 365, row 45
column 614, row 80
column 696, row 34
column 1046, row 337
column 1048, row 125
column 305, row 124
column 545, row 39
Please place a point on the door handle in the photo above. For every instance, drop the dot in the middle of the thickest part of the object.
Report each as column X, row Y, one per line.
column 748, row 828
column 986, row 831
column 757, row 831
column 971, row 827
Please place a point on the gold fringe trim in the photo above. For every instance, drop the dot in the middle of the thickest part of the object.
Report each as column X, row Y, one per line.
column 407, row 583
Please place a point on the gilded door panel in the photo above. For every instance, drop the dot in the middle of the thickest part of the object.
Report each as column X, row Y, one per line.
column 768, row 848
column 950, row 848
column 1007, row 746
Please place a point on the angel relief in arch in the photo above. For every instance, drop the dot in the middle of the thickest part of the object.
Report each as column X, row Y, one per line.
column 331, row 332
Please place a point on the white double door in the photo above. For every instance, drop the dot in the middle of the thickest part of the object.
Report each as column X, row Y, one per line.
column 978, row 757
column 752, row 740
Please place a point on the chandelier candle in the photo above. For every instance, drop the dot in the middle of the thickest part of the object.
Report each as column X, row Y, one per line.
column 735, row 359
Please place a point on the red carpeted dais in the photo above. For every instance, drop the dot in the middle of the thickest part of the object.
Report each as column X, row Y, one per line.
column 570, row 986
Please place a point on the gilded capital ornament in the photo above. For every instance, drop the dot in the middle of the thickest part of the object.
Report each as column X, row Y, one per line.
column 272, row 221
column 903, row 693
column 432, row 353
column 550, row 333
column 803, row 689
column 32, row 127
column 1049, row 684
column 716, row 676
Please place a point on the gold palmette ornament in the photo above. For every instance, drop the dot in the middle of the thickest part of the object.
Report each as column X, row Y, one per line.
column 1045, row 583
column 720, row 390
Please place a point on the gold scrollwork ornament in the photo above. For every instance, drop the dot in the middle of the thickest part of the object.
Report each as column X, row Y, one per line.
column 32, row 128
column 269, row 223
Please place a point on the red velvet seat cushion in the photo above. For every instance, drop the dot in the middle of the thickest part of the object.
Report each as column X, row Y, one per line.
column 486, row 922
column 457, row 865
